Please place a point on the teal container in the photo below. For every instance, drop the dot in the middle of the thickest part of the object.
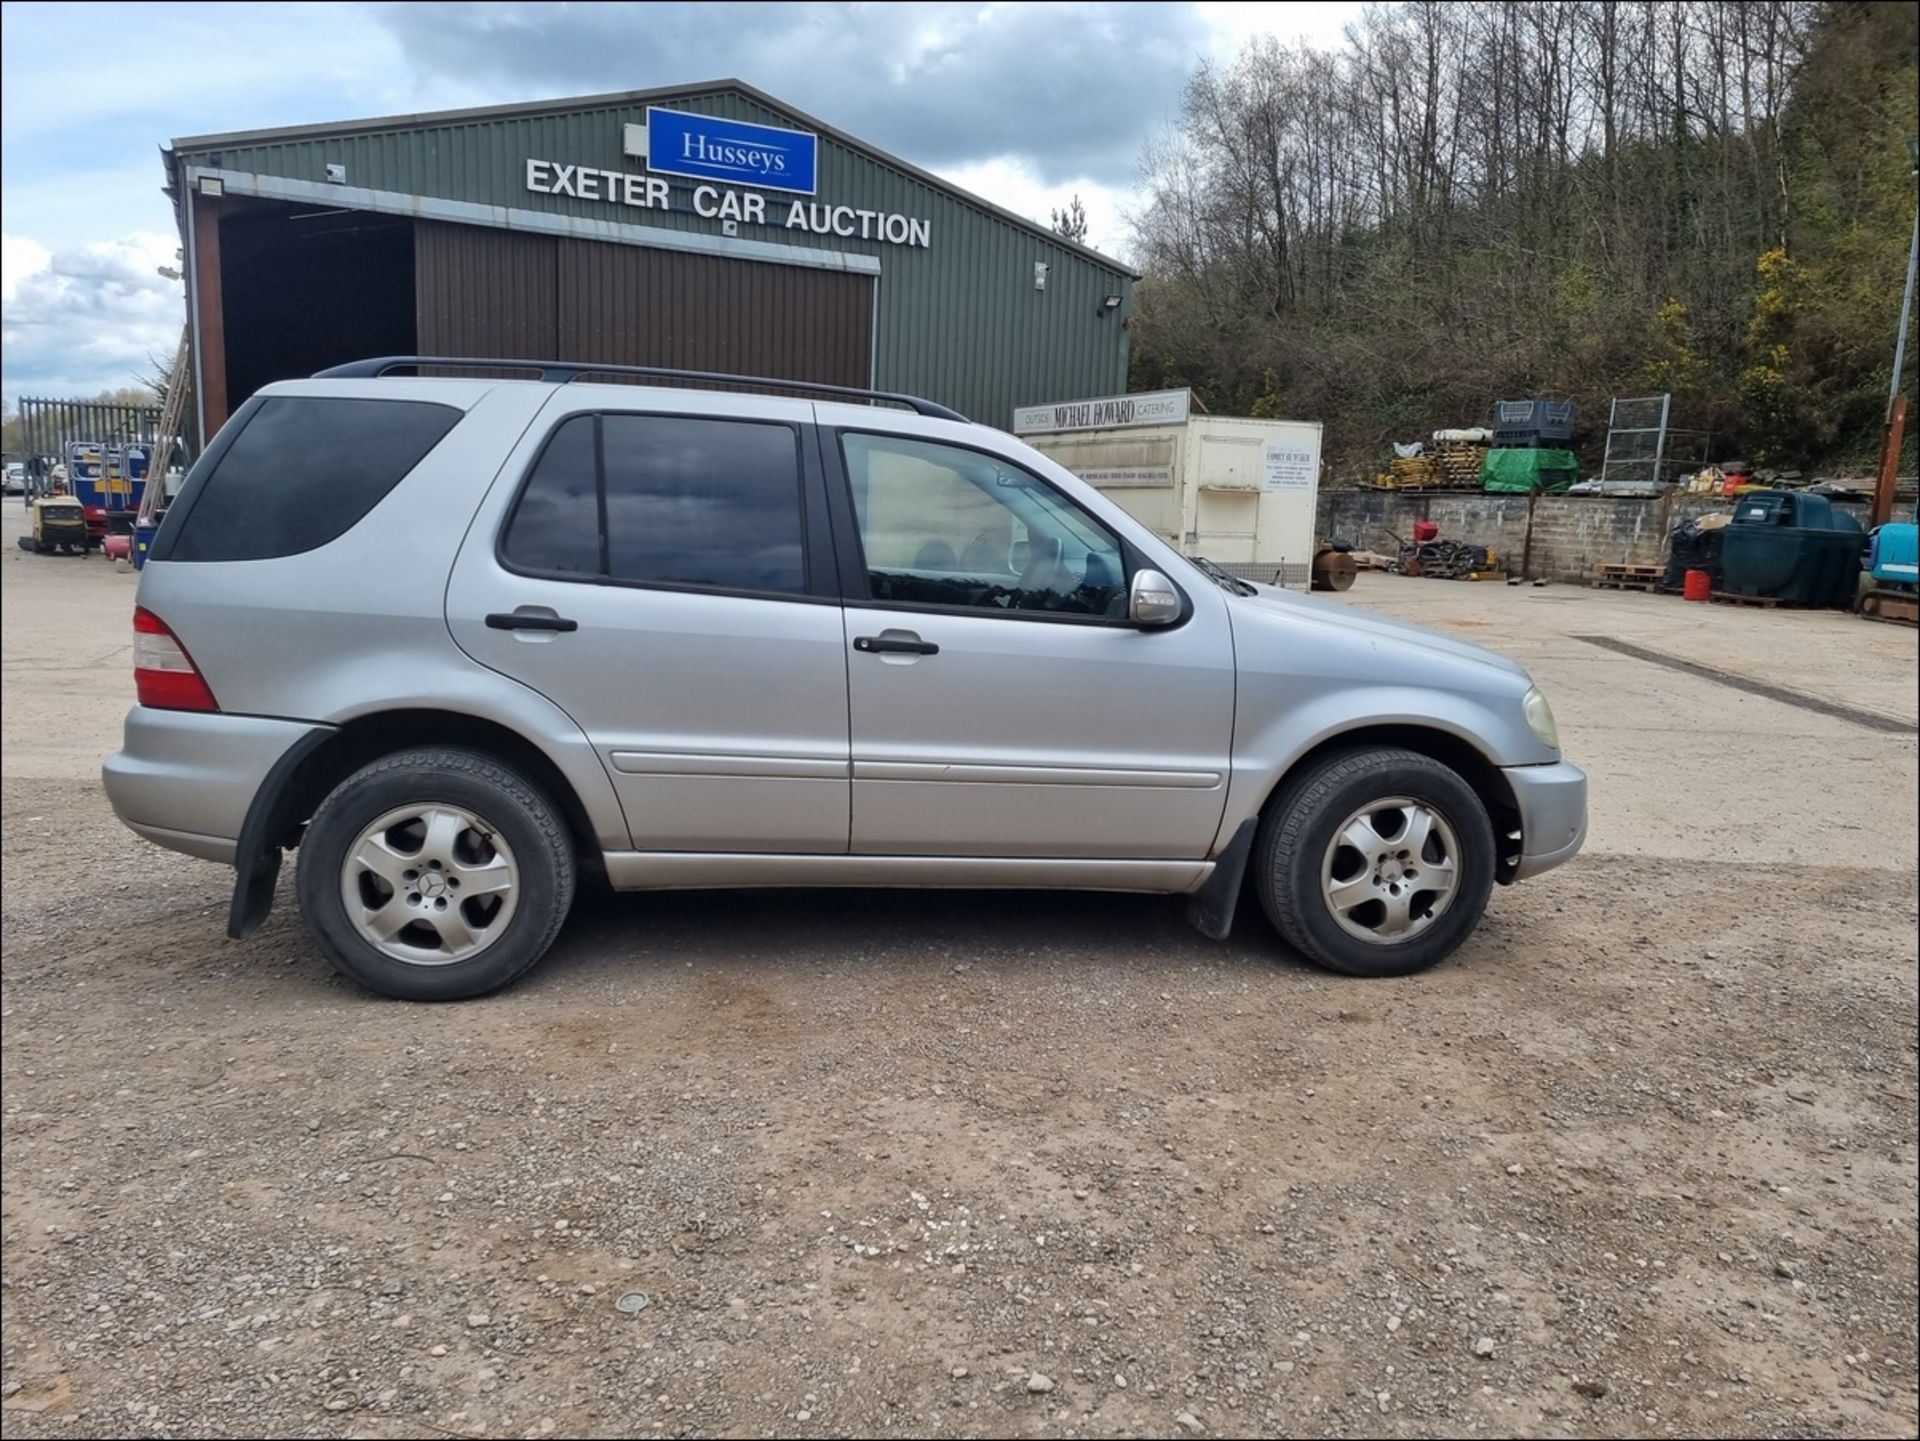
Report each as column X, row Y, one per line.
column 1791, row 547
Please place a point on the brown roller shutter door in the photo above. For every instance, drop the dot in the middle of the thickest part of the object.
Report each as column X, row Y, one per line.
column 485, row 292
column 490, row 292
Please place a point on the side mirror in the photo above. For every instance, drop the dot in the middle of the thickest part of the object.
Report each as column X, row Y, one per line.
column 1152, row 599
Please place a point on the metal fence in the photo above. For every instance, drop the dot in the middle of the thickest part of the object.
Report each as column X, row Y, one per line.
column 48, row 427
column 1643, row 449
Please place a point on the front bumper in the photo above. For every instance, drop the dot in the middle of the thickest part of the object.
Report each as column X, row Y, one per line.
column 1552, row 800
column 184, row 779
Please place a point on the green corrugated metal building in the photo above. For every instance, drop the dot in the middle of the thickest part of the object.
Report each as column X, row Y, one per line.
column 705, row 227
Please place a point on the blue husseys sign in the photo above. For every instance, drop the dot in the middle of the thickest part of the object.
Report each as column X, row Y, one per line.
column 707, row 147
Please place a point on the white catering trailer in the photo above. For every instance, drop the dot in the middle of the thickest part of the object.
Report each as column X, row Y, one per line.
column 1239, row 491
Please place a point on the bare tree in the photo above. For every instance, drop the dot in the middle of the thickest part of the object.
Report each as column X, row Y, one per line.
column 1469, row 198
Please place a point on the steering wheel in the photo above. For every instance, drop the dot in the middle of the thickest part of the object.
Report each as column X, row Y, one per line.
column 983, row 552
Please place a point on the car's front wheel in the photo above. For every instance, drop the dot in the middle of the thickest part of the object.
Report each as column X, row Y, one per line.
column 1377, row 863
column 435, row 874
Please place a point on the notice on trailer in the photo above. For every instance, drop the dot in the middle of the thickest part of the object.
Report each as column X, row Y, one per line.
column 1289, row 465
column 1116, row 476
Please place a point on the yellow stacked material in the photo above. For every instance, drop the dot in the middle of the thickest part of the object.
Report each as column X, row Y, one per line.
column 1446, row 465
column 1415, row 472
column 1458, row 465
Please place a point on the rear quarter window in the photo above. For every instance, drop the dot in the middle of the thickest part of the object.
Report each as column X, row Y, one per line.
column 302, row 471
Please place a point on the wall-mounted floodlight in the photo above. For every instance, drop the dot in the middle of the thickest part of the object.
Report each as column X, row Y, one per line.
column 1111, row 303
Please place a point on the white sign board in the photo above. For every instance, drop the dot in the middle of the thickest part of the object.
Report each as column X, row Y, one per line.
column 1109, row 477
column 1154, row 407
column 1289, row 465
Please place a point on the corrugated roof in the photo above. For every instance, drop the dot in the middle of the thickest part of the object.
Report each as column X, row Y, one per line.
column 433, row 118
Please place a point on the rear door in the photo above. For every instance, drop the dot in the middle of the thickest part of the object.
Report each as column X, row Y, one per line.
column 667, row 579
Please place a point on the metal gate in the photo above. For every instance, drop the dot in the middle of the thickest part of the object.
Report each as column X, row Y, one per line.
column 50, row 429
column 1643, row 451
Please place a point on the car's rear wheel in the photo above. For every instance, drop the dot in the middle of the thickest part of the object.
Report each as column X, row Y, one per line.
column 435, row 874
column 1379, row 862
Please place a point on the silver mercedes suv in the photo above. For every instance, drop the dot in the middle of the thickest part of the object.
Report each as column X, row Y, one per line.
column 458, row 640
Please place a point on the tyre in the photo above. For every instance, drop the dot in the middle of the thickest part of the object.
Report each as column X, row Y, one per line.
column 1378, row 863
column 435, row 874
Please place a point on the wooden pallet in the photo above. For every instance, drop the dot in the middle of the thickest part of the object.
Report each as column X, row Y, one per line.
column 1611, row 576
column 1765, row 602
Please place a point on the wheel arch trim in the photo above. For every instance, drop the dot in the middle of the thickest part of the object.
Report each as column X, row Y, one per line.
column 256, row 855
column 1447, row 741
column 310, row 769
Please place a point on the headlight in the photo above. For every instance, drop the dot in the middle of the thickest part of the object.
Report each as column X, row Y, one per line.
column 1540, row 719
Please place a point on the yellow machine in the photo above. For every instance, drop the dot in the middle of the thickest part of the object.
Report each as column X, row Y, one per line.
column 59, row 523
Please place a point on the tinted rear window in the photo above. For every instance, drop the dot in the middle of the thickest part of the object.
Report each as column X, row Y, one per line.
column 556, row 523
column 690, row 501
column 704, row 502
column 302, row 472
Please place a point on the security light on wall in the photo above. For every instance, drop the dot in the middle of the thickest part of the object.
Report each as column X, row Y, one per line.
column 1111, row 303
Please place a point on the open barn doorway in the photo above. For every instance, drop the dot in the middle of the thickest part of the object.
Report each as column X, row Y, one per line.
column 303, row 287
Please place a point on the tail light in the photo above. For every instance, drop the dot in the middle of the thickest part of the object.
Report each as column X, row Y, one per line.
column 164, row 675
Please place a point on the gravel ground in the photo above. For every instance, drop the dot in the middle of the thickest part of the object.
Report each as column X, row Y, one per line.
column 1639, row 1160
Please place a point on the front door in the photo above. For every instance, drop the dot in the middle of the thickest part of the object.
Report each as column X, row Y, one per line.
column 1000, row 702
column 655, row 578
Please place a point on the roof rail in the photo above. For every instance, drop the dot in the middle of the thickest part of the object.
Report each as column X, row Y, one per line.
column 560, row 372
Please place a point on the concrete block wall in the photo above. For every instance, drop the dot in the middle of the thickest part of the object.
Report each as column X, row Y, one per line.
column 1554, row 537
column 1372, row 519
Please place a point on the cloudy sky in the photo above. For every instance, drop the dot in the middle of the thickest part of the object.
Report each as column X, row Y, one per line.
column 1025, row 104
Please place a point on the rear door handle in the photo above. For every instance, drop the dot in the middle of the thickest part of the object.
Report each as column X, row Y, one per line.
column 516, row 620
column 893, row 644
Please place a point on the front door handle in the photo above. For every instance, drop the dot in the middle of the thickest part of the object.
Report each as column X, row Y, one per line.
column 895, row 643
column 518, row 620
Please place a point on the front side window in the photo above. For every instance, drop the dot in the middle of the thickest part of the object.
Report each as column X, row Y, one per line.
column 686, row 502
column 942, row 525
